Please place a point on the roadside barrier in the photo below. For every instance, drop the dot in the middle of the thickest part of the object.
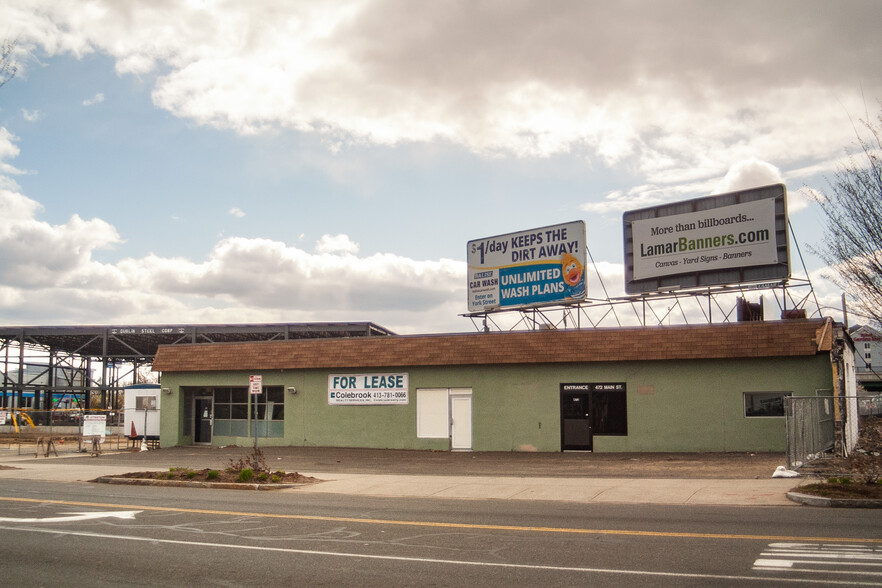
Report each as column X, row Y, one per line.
column 51, row 432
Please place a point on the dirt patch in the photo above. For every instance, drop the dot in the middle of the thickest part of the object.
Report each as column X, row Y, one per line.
column 221, row 476
column 849, row 490
column 856, row 476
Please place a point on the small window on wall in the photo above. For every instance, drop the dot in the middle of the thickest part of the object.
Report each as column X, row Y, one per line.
column 764, row 404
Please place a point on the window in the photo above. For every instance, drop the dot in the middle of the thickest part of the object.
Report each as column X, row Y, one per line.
column 867, row 346
column 233, row 405
column 609, row 411
column 145, row 402
column 764, row 404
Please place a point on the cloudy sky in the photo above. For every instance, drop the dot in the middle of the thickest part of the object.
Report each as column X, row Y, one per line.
column 164, row 161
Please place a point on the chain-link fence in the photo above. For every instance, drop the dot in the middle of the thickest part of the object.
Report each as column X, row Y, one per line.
column 52, row 432
column 812, row 431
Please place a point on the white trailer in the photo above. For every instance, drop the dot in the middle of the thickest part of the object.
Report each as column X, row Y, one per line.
column 141, row 412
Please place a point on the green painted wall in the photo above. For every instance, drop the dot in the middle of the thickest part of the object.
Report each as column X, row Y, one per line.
column 672, row 405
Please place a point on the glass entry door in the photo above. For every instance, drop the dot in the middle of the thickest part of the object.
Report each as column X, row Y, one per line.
column 575, row 420
column 203, row 414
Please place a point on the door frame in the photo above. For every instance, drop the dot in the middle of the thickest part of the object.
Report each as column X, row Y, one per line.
column 585, row 393
column 457, row 435
column 197, row 419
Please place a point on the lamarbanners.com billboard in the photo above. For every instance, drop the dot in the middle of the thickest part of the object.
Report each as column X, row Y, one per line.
column 733, row 238
column 528, row 268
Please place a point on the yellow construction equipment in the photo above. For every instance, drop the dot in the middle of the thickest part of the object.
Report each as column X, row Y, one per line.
column 24, row 417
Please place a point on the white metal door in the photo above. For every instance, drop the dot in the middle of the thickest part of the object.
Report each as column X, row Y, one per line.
column 460, row 422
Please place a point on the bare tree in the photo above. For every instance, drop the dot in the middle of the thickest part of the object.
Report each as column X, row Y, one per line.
column 852, row 210
column 8, row 67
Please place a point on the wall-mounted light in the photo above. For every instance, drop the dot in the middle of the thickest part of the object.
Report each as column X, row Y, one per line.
column 166, row 390
column 292, row 390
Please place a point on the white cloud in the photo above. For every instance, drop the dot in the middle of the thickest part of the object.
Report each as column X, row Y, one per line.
column 96, row 99
column 340, row 244
column 35, row 253
column 749, row 173
column 237, row 212
column 674, row 94
column 31, row 115
column 678, row 98
column 743, row 175
column 8, row 150
column 49, row 272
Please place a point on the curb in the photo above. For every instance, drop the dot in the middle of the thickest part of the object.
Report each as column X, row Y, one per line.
column 187, row 484
column 810, row 500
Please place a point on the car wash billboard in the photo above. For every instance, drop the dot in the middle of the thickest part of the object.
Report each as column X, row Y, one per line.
column 529, row 268
column 733, row 238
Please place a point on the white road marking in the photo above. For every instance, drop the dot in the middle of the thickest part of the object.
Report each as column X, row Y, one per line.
column 828, row 558
column 75, row 516
column 765, row 579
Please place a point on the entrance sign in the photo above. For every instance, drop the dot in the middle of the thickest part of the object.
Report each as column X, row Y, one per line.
column 365, row 389
column 255, row 384
column 530, row 268
column 734, row 238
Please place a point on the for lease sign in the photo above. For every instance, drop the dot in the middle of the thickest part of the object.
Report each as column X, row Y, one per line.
column 360, row 389
column 734, row 236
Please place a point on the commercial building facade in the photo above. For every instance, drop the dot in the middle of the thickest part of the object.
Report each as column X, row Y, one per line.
column 684, row 388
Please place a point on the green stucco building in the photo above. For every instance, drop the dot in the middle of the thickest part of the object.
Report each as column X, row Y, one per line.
column 685, row 388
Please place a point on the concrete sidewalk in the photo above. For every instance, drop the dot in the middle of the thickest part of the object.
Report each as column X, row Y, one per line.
column 771, row 492
column 523, row 485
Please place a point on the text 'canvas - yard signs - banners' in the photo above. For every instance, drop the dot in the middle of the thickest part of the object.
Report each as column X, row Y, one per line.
column 537, row 266
column 709, row 239
column 368, row 388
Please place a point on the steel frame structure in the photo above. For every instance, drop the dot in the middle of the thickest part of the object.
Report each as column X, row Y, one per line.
column 82, row 361
column 654, row 309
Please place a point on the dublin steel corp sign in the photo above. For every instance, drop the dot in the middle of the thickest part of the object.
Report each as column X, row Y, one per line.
column 734, row 238
column 528, row 268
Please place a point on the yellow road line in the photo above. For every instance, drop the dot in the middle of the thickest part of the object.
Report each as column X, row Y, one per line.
column 474, row 526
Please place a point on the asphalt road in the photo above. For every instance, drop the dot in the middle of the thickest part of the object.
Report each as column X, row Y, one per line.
column 91, row 534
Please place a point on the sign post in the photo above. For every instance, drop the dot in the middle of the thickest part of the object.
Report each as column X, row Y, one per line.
column 255, row 387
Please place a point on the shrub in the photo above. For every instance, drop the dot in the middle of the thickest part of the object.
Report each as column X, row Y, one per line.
column 213, row 474
column 254, row 460
column 246, row 474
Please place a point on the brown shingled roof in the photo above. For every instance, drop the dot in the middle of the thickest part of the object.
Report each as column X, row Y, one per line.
column 759, row 339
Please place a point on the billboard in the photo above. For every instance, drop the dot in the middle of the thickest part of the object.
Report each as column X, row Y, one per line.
column 733, row 238
column 529, row 268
